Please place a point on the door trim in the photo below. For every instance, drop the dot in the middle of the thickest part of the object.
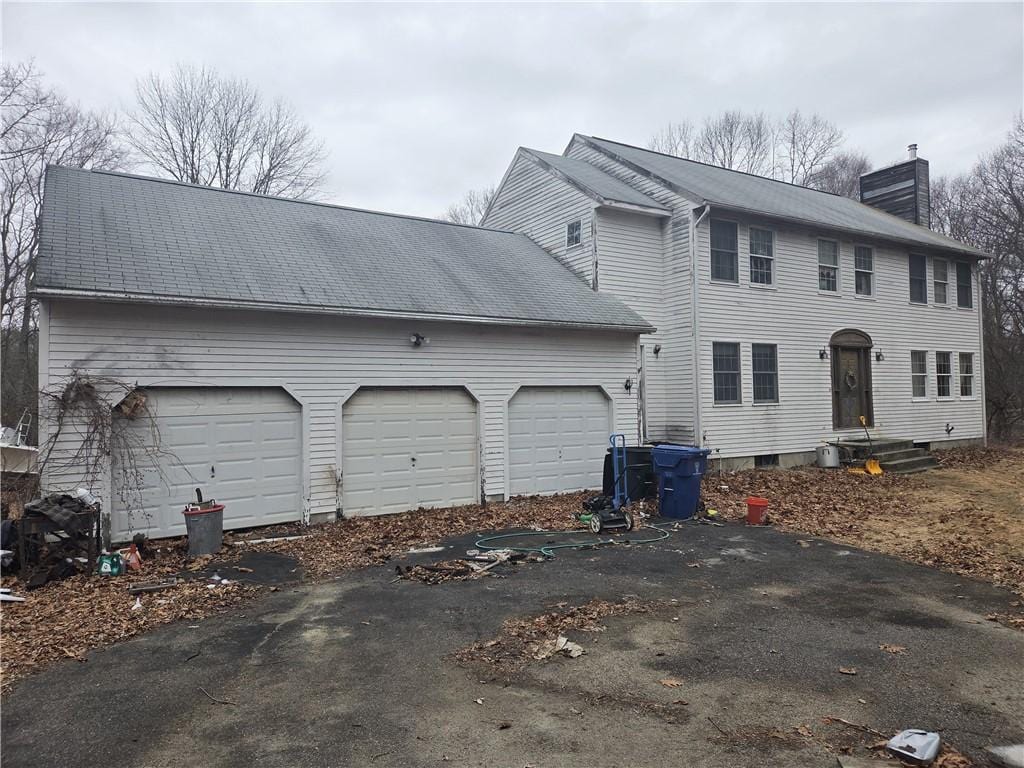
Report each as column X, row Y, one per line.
column 851, row 339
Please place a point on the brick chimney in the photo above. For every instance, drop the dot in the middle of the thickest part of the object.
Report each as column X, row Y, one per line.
column 902, row 189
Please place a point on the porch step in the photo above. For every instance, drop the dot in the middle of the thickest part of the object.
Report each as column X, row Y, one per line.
column 900, row 457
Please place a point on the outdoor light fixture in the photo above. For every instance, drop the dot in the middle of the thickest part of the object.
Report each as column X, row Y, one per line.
column 823, row 353
column 879, row 356
column 629, row 384
column 657, row 349
column 419, row 340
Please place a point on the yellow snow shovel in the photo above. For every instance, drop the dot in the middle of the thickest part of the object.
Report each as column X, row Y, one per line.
column 871, row 465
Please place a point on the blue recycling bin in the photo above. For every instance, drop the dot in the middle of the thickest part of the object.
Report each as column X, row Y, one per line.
column 679, row 469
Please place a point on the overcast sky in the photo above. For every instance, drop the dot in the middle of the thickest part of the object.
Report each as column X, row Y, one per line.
column 417, row 103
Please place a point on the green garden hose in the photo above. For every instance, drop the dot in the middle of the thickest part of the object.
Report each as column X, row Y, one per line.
column 548, row 549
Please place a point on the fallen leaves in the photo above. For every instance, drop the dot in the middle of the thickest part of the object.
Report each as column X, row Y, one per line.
column 893, row 649
column 671, row 682
column 848, row 670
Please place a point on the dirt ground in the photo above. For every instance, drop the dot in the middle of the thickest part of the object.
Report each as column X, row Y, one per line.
column 966, row 517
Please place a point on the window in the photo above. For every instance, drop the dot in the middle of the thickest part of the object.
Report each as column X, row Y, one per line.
column 764, row 364
column 762, row 256
column 919, row 373
column 940, row 280
column 726, row 360
column 828, row 265
column 918, row 279
column 966, row 374
column 943, row 374
column 964, row 294
column 864, row 270
column 573, row 234
column 724, row 251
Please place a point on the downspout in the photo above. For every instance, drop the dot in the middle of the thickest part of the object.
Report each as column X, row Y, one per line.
column 698, row 437
column 981, row 358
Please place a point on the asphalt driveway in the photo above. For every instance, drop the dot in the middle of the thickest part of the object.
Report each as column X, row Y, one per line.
column 359, row 671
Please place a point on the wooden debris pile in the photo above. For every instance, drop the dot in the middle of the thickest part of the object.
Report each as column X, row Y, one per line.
column 521, row 640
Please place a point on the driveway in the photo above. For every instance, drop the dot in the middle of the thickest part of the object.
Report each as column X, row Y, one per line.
column 359, row 670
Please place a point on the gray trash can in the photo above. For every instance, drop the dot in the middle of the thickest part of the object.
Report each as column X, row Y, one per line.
column 205, row 528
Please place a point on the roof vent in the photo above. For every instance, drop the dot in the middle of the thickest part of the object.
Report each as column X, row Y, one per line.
column 912, row 149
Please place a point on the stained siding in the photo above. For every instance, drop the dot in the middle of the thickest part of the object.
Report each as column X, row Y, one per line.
column 676, row 331
column 322, row 361
column 540, row 205
column 800, row 320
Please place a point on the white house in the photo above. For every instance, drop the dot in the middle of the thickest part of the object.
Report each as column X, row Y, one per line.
column 784, row 314
column 301, row 360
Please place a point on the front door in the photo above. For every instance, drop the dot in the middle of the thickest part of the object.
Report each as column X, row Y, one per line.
column 851, row 387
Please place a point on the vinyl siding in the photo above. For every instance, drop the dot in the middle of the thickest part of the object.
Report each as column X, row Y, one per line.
column 540, row 205
column 800, row 319
column 321, row 362
column 675, row 419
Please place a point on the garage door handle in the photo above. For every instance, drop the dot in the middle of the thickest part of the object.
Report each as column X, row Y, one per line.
column 412, row 459
column 213, row 473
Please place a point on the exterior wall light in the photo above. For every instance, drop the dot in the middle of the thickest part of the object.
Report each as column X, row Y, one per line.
column 823, row 353
column 657, row 349
column 629, row 384
column 879, row 355
column 419, row 340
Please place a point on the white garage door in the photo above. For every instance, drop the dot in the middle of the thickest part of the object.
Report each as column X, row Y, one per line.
column 241, row 446
column 408, row 448
column 557, row 439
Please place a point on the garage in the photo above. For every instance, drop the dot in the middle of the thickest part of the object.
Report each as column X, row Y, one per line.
column 409, row 447
column 557, row 439
column 241, row 445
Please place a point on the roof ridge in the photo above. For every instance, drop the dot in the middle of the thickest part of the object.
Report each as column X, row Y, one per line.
column 176, row 182
column 722, row 168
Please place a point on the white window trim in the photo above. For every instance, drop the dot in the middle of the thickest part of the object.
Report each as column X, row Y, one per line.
column 778, row 383
column 870, row 272
column 568, row 226
column 919, row 398
column 956, row 287
column 751, row 255
column 960, row 377
column 837, row 267
column 739, row 374
column 910, row 301
column 936, row 282
column 951, row 376
column 739, row 250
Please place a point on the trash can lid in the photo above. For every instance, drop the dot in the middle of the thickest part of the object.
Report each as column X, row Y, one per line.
column 690, row 450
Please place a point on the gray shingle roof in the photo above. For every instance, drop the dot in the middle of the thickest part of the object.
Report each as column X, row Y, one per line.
column 111, row 233
column 595, row 180
column 744, row 191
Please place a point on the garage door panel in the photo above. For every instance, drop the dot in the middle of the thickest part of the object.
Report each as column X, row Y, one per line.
column 557, row 439
column 250, row 436
column 383, row 430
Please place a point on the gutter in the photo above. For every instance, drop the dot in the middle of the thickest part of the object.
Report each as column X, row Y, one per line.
column 698, row 437
column 185, row 301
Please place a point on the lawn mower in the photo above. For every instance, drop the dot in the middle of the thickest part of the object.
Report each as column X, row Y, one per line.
column 611, row 512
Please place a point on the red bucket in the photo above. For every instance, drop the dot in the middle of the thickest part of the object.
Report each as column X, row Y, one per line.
column 757, row 510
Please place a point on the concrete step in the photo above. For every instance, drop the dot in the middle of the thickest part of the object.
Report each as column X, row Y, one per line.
column 861, row 449
column 902, row 453
column 913, row 464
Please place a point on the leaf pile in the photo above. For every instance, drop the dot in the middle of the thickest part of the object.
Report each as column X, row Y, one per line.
column 965, row 519
column 521, row 640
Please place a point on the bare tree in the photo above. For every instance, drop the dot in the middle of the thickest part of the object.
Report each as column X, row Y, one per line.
column 735, row 140
column 200, row 127
column 985, row 208
column 471, row 208
column 841, row 174
column 674, row 139
column 806, row 144
column 40, row 128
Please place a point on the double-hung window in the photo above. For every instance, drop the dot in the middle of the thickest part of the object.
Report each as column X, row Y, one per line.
column 828, row 266
column 944, row 374
column 919, row 373
column 573, row 233
column 966, row 374
column 918, row 278
column 765, row 368
column 964, row 293
column 726, row 365
column 940, row 281
column 762, row 256
column 864, row 270
column 724, row 251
